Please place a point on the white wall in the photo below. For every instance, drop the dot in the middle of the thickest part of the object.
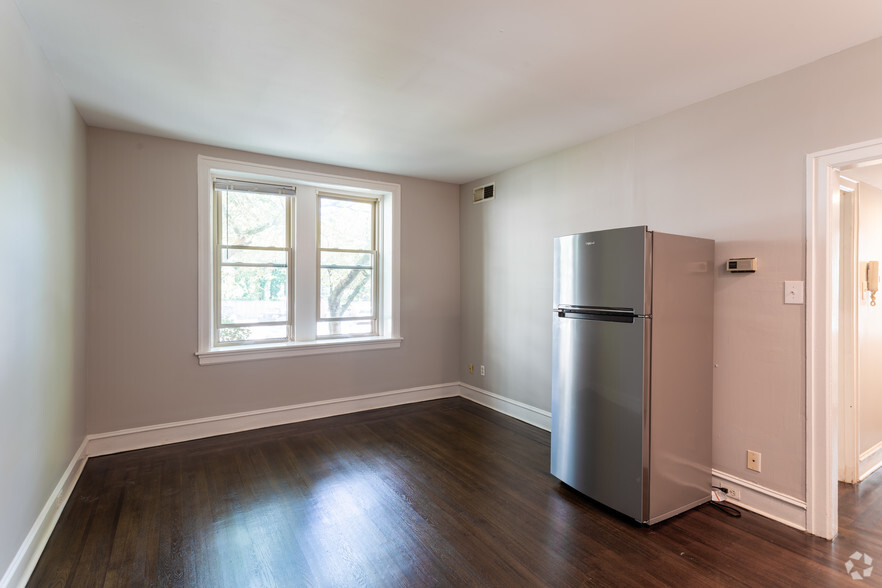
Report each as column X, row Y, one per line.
column 870, row 325
column 731, row 169
column 142, row 295
column 42, row 308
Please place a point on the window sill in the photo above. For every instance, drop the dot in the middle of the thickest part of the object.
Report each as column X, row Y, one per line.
column 275, row 351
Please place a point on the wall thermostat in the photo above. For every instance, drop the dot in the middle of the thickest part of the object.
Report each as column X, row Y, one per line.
column 741, row 265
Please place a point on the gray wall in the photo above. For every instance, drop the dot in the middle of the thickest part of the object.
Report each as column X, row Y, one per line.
column 730, row 169
column 42, row 307
column 142, row 295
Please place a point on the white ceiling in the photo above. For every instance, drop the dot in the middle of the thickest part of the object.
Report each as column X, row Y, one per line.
column 451, row 90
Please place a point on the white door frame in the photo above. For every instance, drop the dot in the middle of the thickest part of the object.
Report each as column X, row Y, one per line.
column 848, row 434
column 821, row 321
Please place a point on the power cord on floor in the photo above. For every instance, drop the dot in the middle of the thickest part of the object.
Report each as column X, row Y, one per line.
column 718, row 503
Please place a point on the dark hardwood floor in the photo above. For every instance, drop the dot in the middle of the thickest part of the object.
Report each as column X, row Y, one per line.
column 439, row 493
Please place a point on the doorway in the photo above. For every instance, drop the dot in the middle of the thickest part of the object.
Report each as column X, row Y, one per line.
column 860, row 323
column 822, row 327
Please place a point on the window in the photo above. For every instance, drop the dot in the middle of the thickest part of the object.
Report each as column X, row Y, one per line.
column 347, row 266
column 294, row 263
column 253, row 259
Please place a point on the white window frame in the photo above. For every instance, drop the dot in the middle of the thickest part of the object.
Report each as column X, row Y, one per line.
column 218, row 262
column 305, row 267
column 373, row 252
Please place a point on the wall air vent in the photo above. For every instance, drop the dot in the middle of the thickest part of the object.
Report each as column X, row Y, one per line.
column 485, row 192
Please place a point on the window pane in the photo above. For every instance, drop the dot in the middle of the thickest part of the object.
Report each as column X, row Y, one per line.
column 229, row 255
column 346, row 224
column 331, row 328
column 346, row 293
column 254, row 294
column 234, row 334
column 252, row 219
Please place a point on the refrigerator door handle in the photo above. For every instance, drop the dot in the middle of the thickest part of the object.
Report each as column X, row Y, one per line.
column 595, row 309
column 623, row 315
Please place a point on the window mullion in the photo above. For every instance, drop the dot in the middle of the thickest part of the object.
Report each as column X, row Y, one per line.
column 305, row 274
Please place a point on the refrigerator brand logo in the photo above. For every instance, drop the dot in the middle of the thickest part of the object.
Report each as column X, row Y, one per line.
column 589, row 242
column 851, row 566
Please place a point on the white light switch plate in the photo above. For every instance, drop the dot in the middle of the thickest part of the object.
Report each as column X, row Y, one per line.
column 794, row 292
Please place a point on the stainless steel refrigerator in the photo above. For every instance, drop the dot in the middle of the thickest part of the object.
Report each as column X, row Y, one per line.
column 632, row 369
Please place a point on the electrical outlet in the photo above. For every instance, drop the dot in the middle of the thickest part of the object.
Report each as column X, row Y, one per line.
column 482, row 370
column 471, row 368
column 734, row 494
column 754, row 460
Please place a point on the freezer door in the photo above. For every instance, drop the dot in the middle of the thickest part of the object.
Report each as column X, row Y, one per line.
column 599, row 424
column 604, row 269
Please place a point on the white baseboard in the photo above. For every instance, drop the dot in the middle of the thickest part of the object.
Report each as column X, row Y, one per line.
column 523, row 412
column 25, row 560
column 152, row 436
column 763, row 501
column 869, row 462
